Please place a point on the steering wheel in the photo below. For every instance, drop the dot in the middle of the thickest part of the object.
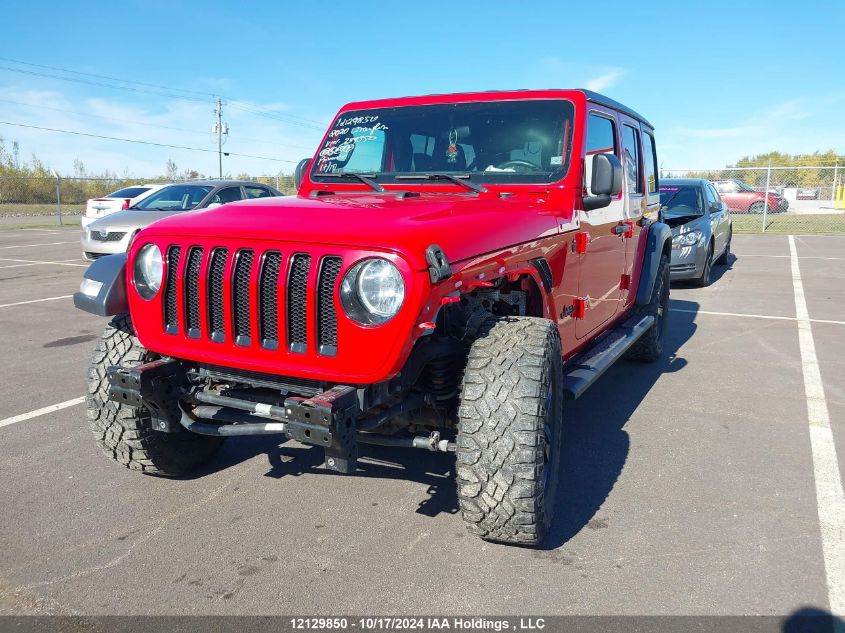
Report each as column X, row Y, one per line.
column 526, row 165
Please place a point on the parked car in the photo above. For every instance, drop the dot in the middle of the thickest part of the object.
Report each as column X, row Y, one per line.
column 114, row 233
column 701, row 228
column 118, row 200
column 807, row 194
column 743, row 198
column 451, row 268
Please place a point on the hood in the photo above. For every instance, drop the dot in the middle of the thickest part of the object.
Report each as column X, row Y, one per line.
column 683, row 225
column 462, row 225
column 130, row 219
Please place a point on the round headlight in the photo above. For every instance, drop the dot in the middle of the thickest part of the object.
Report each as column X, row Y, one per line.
column 372, row 291
column 148, row 271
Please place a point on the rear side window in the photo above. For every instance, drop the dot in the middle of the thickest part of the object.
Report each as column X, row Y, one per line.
column 128, row 192
column 257, row 192
column 650, row 161
column 631, row 148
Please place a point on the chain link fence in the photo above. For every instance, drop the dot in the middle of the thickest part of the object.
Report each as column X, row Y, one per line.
column 50, row 200
column 772, row 199
column 800, row 200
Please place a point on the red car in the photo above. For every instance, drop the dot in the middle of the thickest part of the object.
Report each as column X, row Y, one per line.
column 452, row 268
column 743, row 198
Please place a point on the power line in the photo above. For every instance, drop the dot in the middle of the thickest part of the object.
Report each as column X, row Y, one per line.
column 156, row 89
column 144, row 123
column 103, row 84
column 128, row 81
column 130, row 140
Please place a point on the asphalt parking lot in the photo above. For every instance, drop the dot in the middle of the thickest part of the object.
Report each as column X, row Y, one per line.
column 696, row 485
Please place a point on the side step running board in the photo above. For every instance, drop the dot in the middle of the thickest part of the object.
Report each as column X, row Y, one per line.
column 586, row 368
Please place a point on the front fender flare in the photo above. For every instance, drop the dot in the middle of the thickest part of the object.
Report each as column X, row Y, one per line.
column 658, row 242
column 109, row 298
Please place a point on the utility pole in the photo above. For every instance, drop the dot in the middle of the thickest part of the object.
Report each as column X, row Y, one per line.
column 220, row 129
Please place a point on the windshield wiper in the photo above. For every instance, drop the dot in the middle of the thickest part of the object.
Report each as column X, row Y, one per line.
column 365, row 178
column 462, row 179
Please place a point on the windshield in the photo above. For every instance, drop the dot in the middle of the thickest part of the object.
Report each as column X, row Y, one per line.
column 499, row 141
column 175, row 198
column 681, row 200
column 744, row 186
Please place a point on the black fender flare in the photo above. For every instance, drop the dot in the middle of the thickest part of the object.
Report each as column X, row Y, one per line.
column 109, row 297
column 658, row 242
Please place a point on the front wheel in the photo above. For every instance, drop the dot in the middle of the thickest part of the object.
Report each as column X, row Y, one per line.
column 707, row 273
column 124, row 433
column 756, row 208
column 509, row 430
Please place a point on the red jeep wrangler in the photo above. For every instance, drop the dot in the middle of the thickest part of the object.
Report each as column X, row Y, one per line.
column 451, row 269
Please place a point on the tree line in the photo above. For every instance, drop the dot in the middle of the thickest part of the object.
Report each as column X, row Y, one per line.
column 754, row 170
column 32, row 182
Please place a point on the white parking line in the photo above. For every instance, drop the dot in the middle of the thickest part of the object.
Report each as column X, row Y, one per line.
column 60, row 261
column 33, row 245
column 754, row 316
column 790, row 256
column 40, row 261
column 829, row 495
column 21, row 303
column 42, row 411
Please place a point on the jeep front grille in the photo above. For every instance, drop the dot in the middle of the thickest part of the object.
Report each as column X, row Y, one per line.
column 171, row 321
column 297, row 312
column 269, row 298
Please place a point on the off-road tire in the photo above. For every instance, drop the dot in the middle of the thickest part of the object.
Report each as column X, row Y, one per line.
column 122, row 432
column 726, row 254
column 707, row 272
column 509, row 430
column 649, row 347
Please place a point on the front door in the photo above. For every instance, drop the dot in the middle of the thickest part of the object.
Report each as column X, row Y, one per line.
column 600, row 267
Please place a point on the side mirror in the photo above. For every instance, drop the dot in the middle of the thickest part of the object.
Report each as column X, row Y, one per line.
column 301, row 167
column 606, row 181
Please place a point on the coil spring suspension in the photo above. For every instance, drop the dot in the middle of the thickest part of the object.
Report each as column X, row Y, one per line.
column 442, row 376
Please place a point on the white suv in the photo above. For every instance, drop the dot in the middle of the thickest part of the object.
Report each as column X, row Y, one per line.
column 119, row 200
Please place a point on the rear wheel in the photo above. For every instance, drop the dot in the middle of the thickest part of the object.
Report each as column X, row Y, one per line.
column 649, row 347
column 124, row 433
column 509, row 430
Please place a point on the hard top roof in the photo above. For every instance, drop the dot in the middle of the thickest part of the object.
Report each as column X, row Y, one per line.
column 592, row 96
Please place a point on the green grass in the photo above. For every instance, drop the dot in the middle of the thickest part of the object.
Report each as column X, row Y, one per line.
column 782, row 224
column 14, row 209
column 66, row 222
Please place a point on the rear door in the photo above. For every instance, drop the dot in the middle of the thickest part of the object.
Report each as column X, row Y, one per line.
column 600, row 267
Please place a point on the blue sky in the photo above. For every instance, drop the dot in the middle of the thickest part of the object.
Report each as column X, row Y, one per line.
column 718, row 79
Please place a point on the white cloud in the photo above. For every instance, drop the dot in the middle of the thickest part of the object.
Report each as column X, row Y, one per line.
column 794, row 126
column 605, row 81
column 182, row 123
